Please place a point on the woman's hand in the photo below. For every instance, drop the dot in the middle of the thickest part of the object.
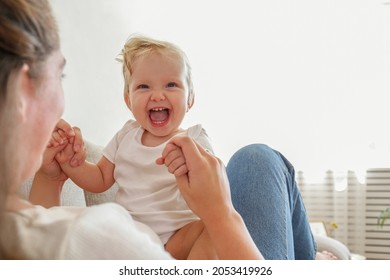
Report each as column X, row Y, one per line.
column 201, row 177
column 48, row 181
column 65, row 145
column 174, row 160
column 205, row 188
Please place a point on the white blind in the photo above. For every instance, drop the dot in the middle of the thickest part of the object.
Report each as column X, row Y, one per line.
column 377, row 243
column 346, row 208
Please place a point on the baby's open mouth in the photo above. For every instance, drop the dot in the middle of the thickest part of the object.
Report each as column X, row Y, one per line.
column 159, row 115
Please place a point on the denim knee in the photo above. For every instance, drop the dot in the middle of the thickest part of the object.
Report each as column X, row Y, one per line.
column 259, row 156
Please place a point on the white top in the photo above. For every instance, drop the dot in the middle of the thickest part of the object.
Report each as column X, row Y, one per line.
column 104, row 231
column 146, row 189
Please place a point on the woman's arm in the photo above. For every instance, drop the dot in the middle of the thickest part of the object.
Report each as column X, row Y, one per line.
column 205, row 188
column 46, row 191
column 89, row 176
column 49, row 180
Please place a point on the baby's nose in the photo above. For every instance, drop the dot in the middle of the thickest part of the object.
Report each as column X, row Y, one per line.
column 157, row 95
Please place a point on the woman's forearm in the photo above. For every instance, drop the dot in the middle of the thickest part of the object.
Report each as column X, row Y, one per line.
column 231, row 238
column 45, row 192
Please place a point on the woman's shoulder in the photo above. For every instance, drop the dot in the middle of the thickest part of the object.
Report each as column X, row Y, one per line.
column 35, row 233
column 107, row 231
column 104, row 231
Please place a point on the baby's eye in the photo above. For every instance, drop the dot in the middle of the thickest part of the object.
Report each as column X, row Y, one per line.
column 142, row 86
column 171, row 84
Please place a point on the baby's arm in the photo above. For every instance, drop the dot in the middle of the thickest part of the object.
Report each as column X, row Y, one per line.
column 91, row 177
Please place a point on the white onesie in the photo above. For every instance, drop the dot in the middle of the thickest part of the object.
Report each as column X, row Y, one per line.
column 147, row 190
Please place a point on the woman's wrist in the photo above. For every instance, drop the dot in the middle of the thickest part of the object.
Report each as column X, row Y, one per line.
column 226, row 219
column 46, row 190
column 218, row 213
column 231, row 238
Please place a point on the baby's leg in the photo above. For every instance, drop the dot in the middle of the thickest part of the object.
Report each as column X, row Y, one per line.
column 203, row 248
column 181, row 242
column 191, row 242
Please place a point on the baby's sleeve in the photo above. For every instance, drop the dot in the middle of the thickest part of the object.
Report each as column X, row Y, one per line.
column 199, row 134
column 110, row 150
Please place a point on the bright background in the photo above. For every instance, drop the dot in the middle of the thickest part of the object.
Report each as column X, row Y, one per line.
column 309, row 78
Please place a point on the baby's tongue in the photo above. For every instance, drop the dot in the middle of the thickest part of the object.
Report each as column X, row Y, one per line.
column 159, row 116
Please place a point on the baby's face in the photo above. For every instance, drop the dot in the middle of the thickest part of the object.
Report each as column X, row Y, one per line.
column 158, row 94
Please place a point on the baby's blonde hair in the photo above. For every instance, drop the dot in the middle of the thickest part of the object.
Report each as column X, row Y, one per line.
column 140, row 46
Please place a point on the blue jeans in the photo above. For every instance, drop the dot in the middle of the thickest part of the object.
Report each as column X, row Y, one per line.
column 265, row 193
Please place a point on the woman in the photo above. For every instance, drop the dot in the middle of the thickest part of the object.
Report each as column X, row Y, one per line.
column 31, row 103
column 31, row 66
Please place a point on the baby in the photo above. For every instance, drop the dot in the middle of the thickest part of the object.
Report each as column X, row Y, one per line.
column 158, row 91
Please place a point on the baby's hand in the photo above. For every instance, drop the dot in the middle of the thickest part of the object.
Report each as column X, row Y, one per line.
column 174, row 159
column 74, row 153
column 70, row 138
column 58, row 138
column 67, row 153
column 61, row 134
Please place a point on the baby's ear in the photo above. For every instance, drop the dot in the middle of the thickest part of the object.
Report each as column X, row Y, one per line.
column 191, row 100
column 127, row 100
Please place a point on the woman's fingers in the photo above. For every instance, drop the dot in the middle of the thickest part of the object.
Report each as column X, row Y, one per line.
column 174, row 160
column 50, row 153
column 181, row 170
column 65, row 155
column 189, row 147
column 74, row 151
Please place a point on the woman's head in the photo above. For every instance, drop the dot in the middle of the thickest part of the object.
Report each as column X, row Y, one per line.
column 31, row 100
column 28, row 35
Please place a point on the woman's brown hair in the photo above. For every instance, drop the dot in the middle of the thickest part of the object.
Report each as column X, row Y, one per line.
column 28, row 36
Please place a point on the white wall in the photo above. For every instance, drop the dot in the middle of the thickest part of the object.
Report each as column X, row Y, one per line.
column 310, row 78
